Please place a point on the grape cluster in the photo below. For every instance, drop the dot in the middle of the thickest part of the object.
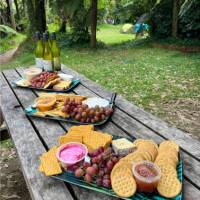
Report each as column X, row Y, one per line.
column 40, row 80
column 102, row 163
column 82, row 113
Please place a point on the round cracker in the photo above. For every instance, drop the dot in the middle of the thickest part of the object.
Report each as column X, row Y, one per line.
column 167, row 169
column 166, row 161
column 169, row 186
column 170, row 144
column 123, row 184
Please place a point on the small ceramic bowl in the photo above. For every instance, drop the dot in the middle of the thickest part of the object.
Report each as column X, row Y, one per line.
column 32, row 72
column 71, row 153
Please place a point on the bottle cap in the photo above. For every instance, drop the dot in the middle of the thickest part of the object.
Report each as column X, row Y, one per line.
column 37, row 35
column 44, row 36
column 54, row 36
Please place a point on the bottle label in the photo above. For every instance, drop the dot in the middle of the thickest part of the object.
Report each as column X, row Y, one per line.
column 39, row 62
column 56, row 63
column 47, row 65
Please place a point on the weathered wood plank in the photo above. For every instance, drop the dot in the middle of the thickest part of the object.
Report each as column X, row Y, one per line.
column 50, row 131
column 136, row 129
column 184, row 140
column 29, row 147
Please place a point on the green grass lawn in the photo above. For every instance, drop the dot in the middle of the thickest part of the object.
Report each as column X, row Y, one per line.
column 11, row 42
column 149, row 77
column 110, row 34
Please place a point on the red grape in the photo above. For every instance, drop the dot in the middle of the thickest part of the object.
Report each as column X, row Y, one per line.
column 95, row 160
column 99, row 182
column 107, row 171
column 115, row 160
column 101, row 172
column 78, row 117
column 88, row 178
column 91, row 171
column 109, row 165
column 96, row 152
column 95, row 166
column 106, row 183
column 103, row 117
column 106, row 176
column 84, row 114
column 101, row 149
column 79, row 172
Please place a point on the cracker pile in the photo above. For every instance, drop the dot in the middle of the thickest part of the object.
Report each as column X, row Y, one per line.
column 167, row 160
column 165, row 156
column 145, row 150
column 86, row 135
column 49, row 164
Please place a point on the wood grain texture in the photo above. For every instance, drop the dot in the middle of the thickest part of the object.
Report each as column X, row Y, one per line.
column 164, row 129
column 29, row 148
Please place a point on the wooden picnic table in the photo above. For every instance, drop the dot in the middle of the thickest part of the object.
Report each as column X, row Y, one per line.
column 33, row 136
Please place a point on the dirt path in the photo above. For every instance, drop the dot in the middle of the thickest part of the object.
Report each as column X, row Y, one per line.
column 13, row 186
column 7, row 56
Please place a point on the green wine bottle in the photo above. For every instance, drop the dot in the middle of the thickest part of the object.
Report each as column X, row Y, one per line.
column 38, row 51
column 47, row 55
column 56, row 53
column 48, row 38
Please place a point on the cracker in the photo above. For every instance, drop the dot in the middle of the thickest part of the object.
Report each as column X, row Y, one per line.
column 70, row 138
column 49, row 163
column 50, row 166
column 169, row 144
column 123, row 184
column 169, row 186
column 166, row 161
column 97, row 139
column 167, row 169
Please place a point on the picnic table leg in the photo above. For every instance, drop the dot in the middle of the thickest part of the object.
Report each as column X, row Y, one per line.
column 3, row 129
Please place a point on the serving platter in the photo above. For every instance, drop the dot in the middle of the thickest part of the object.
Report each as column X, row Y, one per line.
column 74, row 84
column 69, row 177
column 31, row 111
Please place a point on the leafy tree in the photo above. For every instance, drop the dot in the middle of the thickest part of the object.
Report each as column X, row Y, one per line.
column 176, row 18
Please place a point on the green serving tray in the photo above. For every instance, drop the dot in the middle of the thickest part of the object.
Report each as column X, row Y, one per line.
column 74, row 84
column 30, row 111
column 70, row 178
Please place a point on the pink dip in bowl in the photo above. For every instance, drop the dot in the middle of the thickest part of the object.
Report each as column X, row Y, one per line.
column 71, row 153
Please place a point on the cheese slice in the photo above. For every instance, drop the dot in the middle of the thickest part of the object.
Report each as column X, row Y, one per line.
column 123, row 146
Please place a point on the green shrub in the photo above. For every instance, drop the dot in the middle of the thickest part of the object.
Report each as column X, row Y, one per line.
column 188, row 19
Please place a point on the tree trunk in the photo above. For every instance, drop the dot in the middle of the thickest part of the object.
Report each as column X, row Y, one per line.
column 93, row 39
column 63, row 25
column 40, row 15
column 36, row 15
column 12, row 18
column 24, row 8
column 31, row 16
column 175, row 18
column 17, row 9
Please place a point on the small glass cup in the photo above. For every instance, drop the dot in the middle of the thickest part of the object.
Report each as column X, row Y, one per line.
column 147, row 175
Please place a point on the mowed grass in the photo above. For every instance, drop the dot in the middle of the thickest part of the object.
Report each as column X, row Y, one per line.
column 11, row 42
column 144, row 75
column 110, row 34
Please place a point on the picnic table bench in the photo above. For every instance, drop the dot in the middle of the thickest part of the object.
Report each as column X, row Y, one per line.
column 33, row 136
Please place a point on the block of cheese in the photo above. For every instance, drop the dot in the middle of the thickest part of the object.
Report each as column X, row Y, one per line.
column 123, row 146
